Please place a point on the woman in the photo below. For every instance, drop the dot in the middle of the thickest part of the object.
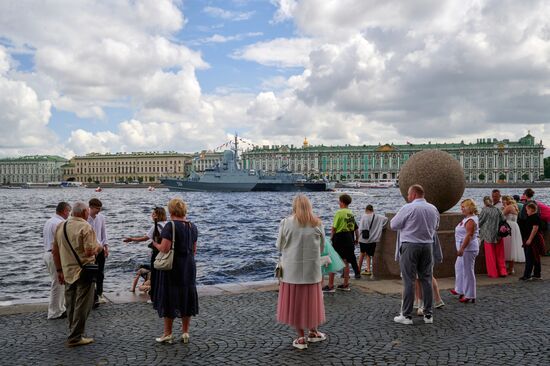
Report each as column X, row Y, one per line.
column 489, row 222
column 175, row 290
column 513, row 251
column 467, row 247
column 301, row 240
column 159, row 218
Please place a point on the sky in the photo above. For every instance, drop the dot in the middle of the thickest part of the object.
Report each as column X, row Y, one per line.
column 158, row 75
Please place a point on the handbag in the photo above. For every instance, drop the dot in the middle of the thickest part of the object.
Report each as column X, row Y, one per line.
column 88, row 271
column 164, row 261
column 365, row 234
column 278, row 270
column 325, row 260
column 504, row 229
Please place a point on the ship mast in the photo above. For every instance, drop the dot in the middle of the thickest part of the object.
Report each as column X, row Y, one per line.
column 236, row 152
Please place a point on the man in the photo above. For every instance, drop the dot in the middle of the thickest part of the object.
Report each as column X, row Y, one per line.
column 56, row 306
column 495, row 196
column 417, row 222
column 97, row 221
column 373, row 224
column 79, row 293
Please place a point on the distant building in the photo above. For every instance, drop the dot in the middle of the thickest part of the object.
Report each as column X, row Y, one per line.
column 31, row 169
column 206, row 159
column 486, row 161
column 144, row 167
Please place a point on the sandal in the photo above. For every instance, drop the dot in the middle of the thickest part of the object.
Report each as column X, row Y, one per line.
column 300, row 343
column 316, row 337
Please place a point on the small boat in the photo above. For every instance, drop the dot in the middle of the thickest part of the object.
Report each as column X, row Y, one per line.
column 151, row 188
column 98, row 189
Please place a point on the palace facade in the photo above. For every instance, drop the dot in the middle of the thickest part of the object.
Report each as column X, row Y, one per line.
column 31, row 169
column 485, row 161
column 140, row 167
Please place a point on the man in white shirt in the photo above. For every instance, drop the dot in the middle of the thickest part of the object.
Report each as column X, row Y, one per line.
column 495, row 196
column 97, row 221
column 417, row 222
column 56, row 306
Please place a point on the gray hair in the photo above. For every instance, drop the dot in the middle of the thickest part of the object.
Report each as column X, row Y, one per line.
column 78, row 208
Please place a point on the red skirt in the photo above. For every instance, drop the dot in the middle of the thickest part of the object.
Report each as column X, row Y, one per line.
column 301, row 306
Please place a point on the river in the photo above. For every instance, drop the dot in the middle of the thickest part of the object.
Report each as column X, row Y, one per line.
column 237, row 231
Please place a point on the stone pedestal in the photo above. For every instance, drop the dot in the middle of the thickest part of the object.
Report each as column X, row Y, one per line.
column 385, row 265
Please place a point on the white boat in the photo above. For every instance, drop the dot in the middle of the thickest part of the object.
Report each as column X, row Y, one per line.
column 383, row 183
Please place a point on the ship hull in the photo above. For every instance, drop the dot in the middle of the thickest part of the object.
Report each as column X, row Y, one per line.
column 191, row 186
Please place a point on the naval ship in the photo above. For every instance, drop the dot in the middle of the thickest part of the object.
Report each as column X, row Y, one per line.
column 228, row 176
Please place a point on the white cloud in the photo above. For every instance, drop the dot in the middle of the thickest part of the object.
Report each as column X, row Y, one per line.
column 227, row 14
column 280, row 52
column 116, row 50
column 23, row 116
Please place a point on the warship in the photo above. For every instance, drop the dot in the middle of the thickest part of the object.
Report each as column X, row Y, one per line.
column 229, row 176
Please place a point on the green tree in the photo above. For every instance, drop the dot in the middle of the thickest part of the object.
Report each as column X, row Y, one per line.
column 525, row 177
column 90, row 179
column 481, row 177
column 140, row 180
column 151, row 179
column 502, row 176
column 547, row 167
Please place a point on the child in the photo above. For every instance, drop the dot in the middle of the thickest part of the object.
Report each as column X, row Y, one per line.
column 143, row 271
column 370, row 229
column 533, row 243
column 344, row 236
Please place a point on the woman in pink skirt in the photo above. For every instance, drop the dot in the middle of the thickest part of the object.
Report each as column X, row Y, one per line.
column 301, row 240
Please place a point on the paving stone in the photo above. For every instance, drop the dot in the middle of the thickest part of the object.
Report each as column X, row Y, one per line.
column 237, row 329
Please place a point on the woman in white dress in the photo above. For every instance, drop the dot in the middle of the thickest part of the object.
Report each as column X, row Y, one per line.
column 513, row 251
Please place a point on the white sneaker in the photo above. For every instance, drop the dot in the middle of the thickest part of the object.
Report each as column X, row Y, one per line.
column 428, row 319
column 403, row 319
column 439, row 305
column 102, row 300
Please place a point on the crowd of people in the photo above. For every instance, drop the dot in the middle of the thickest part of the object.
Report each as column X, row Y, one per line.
column 509, row 227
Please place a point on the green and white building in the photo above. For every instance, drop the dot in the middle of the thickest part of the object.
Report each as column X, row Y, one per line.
column 31, row 169
column 487, row 160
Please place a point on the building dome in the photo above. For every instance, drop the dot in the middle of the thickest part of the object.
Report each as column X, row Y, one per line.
column 305, row 144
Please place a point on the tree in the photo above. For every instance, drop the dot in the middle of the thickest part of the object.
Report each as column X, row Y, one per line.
column 151, row 179
column 140, row 180
column 547, row 167
column 481, row 177
column 525, row 176
column 90, row 179
column 502, row 176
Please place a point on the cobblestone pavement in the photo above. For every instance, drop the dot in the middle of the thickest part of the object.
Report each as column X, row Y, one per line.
column 509, row 325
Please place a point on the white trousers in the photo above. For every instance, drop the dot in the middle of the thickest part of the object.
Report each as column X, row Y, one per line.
column 56, row 307
column 465, row 277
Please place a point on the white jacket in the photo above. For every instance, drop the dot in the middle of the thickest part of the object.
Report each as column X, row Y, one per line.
column 376, row 228
column 301, row 249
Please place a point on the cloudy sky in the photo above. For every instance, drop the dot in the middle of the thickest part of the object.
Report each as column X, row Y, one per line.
column 150, row 75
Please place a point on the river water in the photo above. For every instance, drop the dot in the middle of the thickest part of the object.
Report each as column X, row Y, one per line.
column 237, row 231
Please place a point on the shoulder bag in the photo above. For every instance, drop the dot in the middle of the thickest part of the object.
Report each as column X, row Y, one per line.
column 365, row 234
column 164, row 261
column 90, row 270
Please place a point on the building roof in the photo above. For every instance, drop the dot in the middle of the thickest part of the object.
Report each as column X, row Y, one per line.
column 34, row 159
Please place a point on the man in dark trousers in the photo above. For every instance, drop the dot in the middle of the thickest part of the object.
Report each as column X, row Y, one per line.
column 417, row 223
column 79, row 291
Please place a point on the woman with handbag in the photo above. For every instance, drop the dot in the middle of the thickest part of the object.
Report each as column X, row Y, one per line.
column 489, row 225
column 175, row 292
column 301, row 241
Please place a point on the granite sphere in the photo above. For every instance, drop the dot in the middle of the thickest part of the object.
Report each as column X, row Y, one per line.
column 441, row 176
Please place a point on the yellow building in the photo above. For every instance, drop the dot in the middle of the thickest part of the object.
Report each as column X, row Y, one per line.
column 142, row 167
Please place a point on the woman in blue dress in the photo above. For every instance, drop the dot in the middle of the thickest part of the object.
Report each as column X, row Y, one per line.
column 176, row 291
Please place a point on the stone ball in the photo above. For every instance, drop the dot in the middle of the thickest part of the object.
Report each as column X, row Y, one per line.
column 441, row 176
